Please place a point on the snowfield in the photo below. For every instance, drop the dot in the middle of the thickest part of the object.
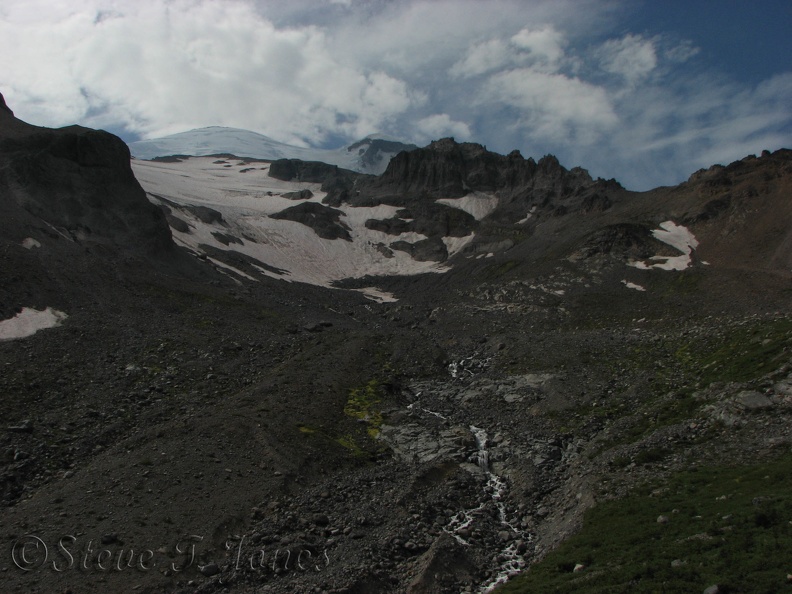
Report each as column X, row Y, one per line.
column 29, row 321
column 244, row 143
column 676, row 236
column 246, row 197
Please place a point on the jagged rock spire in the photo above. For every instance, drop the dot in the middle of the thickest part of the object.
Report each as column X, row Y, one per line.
column 3, row 106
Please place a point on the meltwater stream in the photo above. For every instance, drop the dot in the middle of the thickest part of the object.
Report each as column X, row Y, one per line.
column 462, row 525
column 510, row 558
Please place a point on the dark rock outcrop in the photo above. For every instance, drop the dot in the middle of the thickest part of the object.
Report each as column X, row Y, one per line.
column 428, row 218
column 325, row 221
column 298, row 195
column 431, row 249
column 4, row 107
column 206, row 215
column 447, row 169
column 596, row 203
column 304, row 171
column 79, row 181
column 339, row 188
column 625, row 240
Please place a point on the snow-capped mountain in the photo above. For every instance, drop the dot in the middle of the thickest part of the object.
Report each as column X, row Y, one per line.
column 370, row 155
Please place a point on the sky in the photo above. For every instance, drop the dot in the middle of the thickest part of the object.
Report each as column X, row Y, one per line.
column 646, row 92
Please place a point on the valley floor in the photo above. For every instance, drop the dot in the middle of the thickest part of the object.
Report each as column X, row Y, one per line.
column 214, row 442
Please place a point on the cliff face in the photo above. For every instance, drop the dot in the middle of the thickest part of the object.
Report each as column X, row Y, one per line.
column 79, row 181
column 447, row 169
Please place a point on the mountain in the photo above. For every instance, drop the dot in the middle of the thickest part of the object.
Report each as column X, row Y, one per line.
column 448, row 205
column 230, row 374
column 370, row 155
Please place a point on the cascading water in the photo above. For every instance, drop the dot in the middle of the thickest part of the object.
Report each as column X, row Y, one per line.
column 426, row 410
column 510, row 559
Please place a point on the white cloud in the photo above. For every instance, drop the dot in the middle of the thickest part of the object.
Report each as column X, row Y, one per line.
column 554, row 105
column 545, row 45
column 540, row 49
column 166, row 67
column 631, row 57
column 681, row 52
column 482, row 58
column 542, row 76
column 441, row 125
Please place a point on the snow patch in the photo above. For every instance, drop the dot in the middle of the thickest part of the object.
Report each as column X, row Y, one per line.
column 630, row 285
column 29, row 321
column 528, row 216
column 477, row 204
column 678, row 237
column 638, row 264
column 455, row 244
column 225, row 266
column 673, row 263
column 377, row 295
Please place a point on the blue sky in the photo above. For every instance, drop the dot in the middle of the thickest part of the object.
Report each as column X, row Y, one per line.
column 646, row 92
column 748, row 40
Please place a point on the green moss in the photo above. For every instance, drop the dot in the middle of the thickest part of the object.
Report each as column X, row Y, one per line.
column 362, row 404
column 348, row 442
column 726, row 526
column 498, row 270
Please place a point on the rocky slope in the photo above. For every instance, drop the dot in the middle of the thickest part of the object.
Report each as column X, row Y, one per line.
column 197, row 424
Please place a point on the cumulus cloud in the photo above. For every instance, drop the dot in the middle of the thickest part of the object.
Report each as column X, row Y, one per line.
column 541, row 49
column 482, row 58
column 545, row 45
column 441, row 125
column 167, row 67
column 554, row 105
column 542, row 76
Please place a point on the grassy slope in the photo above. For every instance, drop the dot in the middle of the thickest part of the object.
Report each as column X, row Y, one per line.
column 726, row 526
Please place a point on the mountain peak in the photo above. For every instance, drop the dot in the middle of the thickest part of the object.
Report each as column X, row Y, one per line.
column 370, row 155
column 3, row 106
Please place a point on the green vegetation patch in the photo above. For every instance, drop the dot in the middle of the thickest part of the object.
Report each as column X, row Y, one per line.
column 350, row 444
column 745, row 353
column 306, row 429
column 497, row 270
column 363, row 404
column 742, row 353
column 726, row 526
